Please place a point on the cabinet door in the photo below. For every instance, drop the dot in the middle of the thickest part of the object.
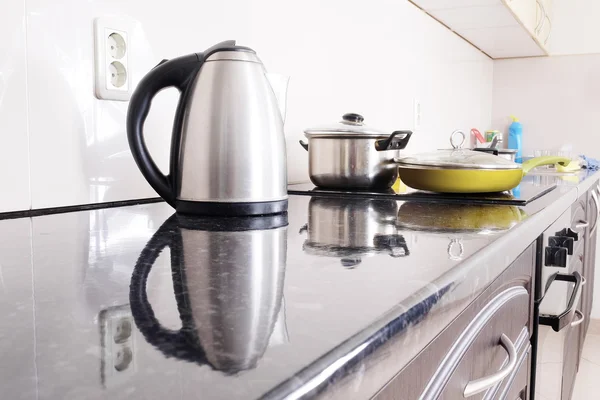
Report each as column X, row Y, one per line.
column 470, row 348
column 543, row 25
column 525, row 11
column 579, row 219
column 517, row 387
column 485, row 356
column 572, row 346
column 589, row 263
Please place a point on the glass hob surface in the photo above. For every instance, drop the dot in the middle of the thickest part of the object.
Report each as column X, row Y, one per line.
column 519, row 196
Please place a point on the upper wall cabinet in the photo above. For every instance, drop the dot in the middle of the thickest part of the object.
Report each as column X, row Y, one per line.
column 499, row 28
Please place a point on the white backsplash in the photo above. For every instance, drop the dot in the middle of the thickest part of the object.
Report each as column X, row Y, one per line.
column 341, row 56
column 14, row 141
column 556, row 98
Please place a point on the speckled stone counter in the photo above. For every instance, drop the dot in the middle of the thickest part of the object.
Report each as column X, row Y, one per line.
column 331, row 300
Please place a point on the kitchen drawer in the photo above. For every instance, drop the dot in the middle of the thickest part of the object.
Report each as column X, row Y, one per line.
column 506, row 314
column 517, row 386
column 470, row 347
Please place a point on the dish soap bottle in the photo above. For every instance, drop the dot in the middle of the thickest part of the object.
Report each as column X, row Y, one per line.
column 515, row 135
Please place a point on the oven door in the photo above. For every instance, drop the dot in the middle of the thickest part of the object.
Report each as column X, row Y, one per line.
column 558, row 333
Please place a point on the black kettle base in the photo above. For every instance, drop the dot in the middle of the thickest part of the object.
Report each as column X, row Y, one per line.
column 219, row 209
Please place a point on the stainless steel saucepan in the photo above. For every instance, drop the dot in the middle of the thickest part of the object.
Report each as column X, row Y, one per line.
column 350, row 155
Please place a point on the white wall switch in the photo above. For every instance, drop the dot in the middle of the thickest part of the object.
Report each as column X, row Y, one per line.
column 111, row 58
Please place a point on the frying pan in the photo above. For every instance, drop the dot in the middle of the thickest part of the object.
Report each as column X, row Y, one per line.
column 466, row 171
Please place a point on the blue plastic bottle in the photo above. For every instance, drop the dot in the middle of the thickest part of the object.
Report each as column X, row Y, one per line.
column 515, row 136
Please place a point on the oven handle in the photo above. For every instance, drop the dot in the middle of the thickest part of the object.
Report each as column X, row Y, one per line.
column 559, row 321
column 481, row 384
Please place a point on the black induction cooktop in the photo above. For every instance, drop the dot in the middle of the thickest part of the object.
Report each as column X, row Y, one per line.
column 519, row 196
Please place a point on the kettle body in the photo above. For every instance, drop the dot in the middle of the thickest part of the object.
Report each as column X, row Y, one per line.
column 228, row 153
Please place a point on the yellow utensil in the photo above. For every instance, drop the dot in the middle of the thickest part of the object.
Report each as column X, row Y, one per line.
column 470, row 179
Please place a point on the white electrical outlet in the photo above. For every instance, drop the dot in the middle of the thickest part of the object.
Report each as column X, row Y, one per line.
column 417, row 114
column 111, row 58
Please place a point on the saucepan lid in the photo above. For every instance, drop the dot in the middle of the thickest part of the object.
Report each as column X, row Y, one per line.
column 352, row 125
column 457, row 158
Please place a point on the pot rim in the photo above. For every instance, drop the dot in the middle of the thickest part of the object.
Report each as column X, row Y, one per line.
column 343, row 134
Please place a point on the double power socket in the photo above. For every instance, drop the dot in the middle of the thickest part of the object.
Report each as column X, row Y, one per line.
column 112, row 58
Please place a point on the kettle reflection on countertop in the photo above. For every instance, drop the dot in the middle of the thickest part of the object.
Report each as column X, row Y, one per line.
column 228, row 276
column 352, row 228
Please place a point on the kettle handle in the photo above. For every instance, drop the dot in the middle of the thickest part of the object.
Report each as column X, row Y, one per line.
column 177, row 73
column 170, row 342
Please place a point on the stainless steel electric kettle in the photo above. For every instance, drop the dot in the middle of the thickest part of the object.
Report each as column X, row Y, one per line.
column 228, row 154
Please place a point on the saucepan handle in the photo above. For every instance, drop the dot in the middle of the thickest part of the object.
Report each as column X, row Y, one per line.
column 486, row 150
column 397, row 141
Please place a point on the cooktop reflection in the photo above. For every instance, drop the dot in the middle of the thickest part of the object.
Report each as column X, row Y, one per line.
column 519, row 196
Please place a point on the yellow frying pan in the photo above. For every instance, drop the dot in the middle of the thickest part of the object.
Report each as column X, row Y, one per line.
column 470, row 179
column 466, row 171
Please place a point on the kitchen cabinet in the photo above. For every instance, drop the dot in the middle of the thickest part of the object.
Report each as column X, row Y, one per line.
column 543, row 28
column 573, row 344
column 527, row 11
column 499, row 28
column 492, row 335
column 589, row 263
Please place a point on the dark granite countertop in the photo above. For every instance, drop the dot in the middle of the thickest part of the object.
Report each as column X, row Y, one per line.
column 134, row 303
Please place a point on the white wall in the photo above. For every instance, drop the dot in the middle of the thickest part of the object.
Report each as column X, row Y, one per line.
column 557, row 99
column 342, row 56
column 575, row 28
column 14, row 152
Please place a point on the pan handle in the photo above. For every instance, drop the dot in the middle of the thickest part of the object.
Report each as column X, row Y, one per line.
column 397, row 141
column 546, row 160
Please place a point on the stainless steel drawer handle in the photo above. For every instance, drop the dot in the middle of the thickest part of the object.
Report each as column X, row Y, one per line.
column 582, row 224
column 482, row 384
column 580, row 318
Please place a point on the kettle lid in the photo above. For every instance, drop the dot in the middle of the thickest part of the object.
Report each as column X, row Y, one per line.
column 228, row 45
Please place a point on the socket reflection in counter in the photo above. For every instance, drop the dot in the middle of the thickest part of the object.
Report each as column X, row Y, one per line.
column 228, row 276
